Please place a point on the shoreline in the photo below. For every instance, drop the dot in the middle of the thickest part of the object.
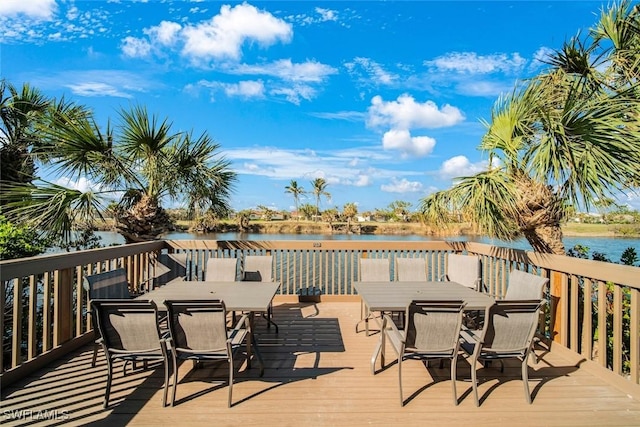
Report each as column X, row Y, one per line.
column 388, row 228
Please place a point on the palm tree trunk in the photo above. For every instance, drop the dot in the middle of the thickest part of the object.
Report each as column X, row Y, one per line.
column 546, row 239
column 143, row 222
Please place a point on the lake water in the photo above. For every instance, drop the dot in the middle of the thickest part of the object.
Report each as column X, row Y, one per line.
column 612, row 247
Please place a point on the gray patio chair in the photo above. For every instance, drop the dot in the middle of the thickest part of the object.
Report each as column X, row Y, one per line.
column 371, row 270
column 106, row 285
column 465, row 270
column 432, row 332
column 171, row 266
column 129, row 331
column 221, row 270
column 259, row 268
column 508, row 333
column 524, row 285
column 411, row 270
column 199, row 332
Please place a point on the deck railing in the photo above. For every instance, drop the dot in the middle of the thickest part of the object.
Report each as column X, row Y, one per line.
column 593, row 307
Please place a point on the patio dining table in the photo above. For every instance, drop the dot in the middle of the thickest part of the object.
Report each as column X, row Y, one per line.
column 396, row 296
column 251, row 297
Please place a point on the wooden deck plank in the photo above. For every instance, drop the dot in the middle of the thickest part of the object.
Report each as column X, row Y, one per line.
column 317, row 373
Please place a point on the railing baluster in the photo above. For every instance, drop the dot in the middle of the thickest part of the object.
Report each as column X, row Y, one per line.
column 602, row 323
column 617, row 328
column 32, row 346
column 16, row 341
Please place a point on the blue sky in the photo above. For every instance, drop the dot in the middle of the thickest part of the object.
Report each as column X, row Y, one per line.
column 381, row 99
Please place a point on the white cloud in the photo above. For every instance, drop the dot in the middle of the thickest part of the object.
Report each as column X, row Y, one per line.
column 472, row 63
column 402, row 186
column 540, row 56
column 223, row 36
column 327, row 14
column 97, row 82
column 374, row 72
column 97, row 89
column 135, row 48
column 406, row 113
column 349, row 116
column 36, row 9
column 308, row 71
column 165, row 34
column 334, row 166
column 295, row 93
column 82, row 184
column 402, row 140
column 460, row 166
column 245, row 89
column 484, row 88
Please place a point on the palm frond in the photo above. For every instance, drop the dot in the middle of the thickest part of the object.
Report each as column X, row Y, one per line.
column 52, row 209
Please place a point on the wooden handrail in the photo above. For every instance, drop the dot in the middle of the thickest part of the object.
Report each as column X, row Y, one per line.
column 584, row 296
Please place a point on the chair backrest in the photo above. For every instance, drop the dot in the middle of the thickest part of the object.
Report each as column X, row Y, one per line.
column 170, row 266
column 127, row 325
column 510, row 326
column 411, row 269
column 257, row 268
column 108, row 284
column 524, row 285
column 198, row 326
column 465, row 270
column 433, row 326
column 375, row 270
column 221, row 270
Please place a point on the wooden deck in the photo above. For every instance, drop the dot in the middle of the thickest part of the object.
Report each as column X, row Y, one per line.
column 317, row 373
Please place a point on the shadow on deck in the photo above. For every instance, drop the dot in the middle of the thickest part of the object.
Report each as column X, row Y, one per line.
column 317, row 373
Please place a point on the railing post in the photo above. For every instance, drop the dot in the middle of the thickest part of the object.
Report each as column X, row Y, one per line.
column 555, row 289
column 62, row 312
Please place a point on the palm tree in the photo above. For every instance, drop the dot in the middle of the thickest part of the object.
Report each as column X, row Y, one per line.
column 141, row 163
column 319, row 189
column 567, row 138
column 350, row 210
column 308, row 210
column 296, row 191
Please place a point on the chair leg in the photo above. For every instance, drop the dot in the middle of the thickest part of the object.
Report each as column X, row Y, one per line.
column 107, row 390
column 269, row 321
column 474, row 381
column 230, row 381
column 525, row 378
column 400, row 379
column 454, row 376
column 256, row 350
column 175, row 377
column 95, row 354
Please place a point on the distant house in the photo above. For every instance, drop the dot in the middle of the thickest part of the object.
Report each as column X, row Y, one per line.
column 361, row 218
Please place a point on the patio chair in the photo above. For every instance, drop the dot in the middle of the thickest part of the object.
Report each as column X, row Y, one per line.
column 524, row 285
column 171, row 266
column 106, row 285
column 198, row 331
column 371, row 270
column 432, row 332
column 508, row 333
column 221, row 270
column 411, row 270
column 129, row 331
column 258, row 268
column 465, row 270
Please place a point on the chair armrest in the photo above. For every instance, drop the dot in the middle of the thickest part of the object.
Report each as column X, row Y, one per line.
column 396, row 338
